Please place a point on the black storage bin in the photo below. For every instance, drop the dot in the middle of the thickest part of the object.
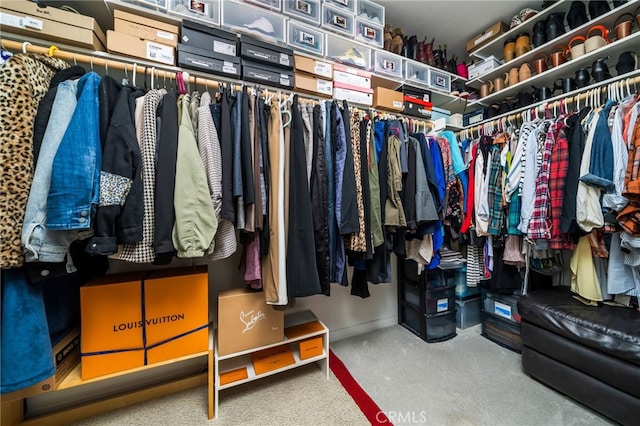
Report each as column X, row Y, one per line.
column 503, row 332
column 474, row 117
column 411, row 293
column 440, row 327
column 438, row 300
column 203, row 60
column 504, row 306
column 204, row 37
column 410, row 318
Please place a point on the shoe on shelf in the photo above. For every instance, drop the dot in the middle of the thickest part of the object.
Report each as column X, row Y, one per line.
column 387, row 37
column 262, row 25
column 397, row 41
column 577, row 14
column 352, row 57
column 627, row 62
column 597, row 8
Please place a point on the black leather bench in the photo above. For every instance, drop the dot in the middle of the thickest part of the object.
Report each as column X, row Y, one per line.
column 591, row 354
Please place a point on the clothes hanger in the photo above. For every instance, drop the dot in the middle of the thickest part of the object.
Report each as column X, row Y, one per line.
column 52, row 49
column 106, row 67
column 135, row 66
column 24, row 46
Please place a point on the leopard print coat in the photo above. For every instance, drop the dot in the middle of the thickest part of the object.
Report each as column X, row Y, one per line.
column 24, row 80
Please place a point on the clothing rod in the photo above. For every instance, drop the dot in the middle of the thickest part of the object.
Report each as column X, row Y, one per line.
column 160, row 73
column 622, row 83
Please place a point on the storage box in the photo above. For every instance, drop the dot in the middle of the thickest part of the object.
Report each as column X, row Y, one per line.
column 345, row 51
column 257, row 22
column 440, row 327
column 417, row 102
column 387, row 99
column 245, row 321
column 272, row 359
column 311, row 348
column 132, row 320
column 145, row 28
column 233, row 376
column 483, row 67
column 351, row 76
column 306, row 10
column 437, row 113
column 487, row 35
column 205, row 60
column 201, row 36
column 369, row 33
column 349, row 5
column 502, row 332
column 303, row 329
column 314, row 67
column 355, row 96
column 157, row 5
column 338, row 20
column 66, row 356
column 456, row 120
column 388, row 64
column 502, row 305
column 439, row 300
column 416, row 72
column 267, row 74
column 302, row 37
column 275, row 5
column 468, row 312
column 411, row 293
column 314, row 85
column 439, row 80
column 138, row 48
column 473, row 117
column 48, row 23
column 256, row 50
column 411, row 319
column 370, row 11
column 202, row 10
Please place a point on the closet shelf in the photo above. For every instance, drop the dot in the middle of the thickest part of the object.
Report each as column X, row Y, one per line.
column 567, row 69
column 608, row 20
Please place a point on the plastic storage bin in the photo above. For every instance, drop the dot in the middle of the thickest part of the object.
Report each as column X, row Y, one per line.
column 411, row 293
column 366, row 32
column 440, row 300
column 439, row 80
column 502, row 332
column 440, row 327
column 349, row 5
column 416, row 72
column 302, row 37
column 254, row 21
column 338, row 20
column 502, row 305
column 370, row 11
column 387, row 64
column 306, row 10
column 269, row 4
column 410, row 318
column 159, row 5
column 207, row 11
column 468, row 312
column 345, row 51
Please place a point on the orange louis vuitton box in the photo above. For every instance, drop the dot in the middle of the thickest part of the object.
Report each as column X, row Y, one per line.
column 311, row 347
column 132, row 320
column 272, row 359
column 233, row 376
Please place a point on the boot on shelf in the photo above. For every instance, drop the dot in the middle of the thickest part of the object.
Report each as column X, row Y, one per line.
column 421, row 56
column 388, row 37
column 397, row 41
column 453, row 64
column 412, row 47
column 437, row 54
column 445, row 62
column 430, row 58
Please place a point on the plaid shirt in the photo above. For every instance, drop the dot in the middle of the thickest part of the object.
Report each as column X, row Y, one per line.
column 447, row 162
column 540, row 225
column 496, row 210
column 513, row 218
column 557, row 181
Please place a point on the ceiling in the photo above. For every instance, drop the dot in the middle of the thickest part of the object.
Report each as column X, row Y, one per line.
column 451, row 22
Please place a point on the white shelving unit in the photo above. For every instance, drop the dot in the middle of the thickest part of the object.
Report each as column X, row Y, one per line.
column 234, row 361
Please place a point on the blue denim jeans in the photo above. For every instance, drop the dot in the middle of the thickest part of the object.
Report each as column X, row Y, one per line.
column 40, row 243
column 75, row 178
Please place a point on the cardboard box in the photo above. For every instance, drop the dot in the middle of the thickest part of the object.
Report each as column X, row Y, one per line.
column 388, row 99
column 132, row 320
column 245, row 321
column 48, row 23
column 487, row 35
column 311, row 348
column 272, row 359
column 303, row 329
column 314, row 67
column 233, row 376
column 136, row 47
column 145, row 28
column 206, row 60
column 66, row 356
column 310, row 84
column 351, row 76
column 355, row 96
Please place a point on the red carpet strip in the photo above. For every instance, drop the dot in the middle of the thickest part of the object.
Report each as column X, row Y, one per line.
column 369, row 408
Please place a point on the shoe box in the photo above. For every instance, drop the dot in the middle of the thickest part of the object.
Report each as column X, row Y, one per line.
column 483, row 67
column 417, row 102
column 275, row 5
column 258, row 72
column 139, row 48
column 208, row 49
column 486, row 36
column 369, row 11
column 387, row 99
column 305, row 10
column 305, row 38
column 254, row 21
column 207, row 11
column 260, row 51
column 369, row 33
column 313, row 76
column 352, row 84
column 338, row 20
column 474, row 117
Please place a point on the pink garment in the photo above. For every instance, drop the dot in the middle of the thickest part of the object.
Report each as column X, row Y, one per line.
column 250, row 263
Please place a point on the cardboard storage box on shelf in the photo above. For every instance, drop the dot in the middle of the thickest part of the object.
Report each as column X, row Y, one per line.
column 132, row 320
column 314, row 67
column 66, row 356
column 145, row 28
column 136, row 47
column 309, row 84
column 351, row 76
column 483, row 67
column 311, row 348
column 233, row 376
column 487, row 35
column 353, row 94
column 272, row 359
column 245, row 321
column 30, row 19
column 387, row 99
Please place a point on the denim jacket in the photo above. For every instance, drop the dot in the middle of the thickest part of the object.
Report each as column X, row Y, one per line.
column 75, row 177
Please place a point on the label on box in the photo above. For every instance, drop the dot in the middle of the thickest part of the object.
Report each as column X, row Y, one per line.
column 228, row 67
column 261, row 55
column 284, row 59
column 323, row 69
column 397, row 104
column 303, row 6
column 224, row 48
column 442, row 304
column 19, row 22
column 502, row 310
column 284, row 80
column 325, row 87
column 165, row 35
column 159, row 52
column 483, row 38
